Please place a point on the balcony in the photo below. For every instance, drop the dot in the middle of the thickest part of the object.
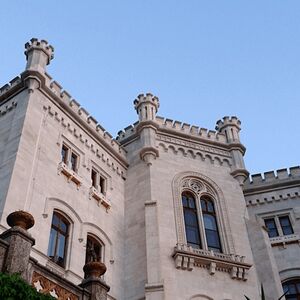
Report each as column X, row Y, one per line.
column 101, row 198
column 69, row 173
column 187, row 257
column 285, row 239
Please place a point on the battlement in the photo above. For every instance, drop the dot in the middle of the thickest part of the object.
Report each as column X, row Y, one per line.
column 191, row 129
column 273, row 177
column 144, row 98
column 8, row 86
column 83, row 114
column 228, row 121
column 42, row 45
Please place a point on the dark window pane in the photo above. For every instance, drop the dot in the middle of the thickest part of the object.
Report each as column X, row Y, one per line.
column 192, row 235
column 212, row 238
column 58, row 239
column 93, row 250
column 190, row 218
column 209, row 222
column 271, row 226
column 203, row 205
column 286, row 225
column 192, row 203
column 52, row 240
column 64, row 154
column 74, row 161
column 184, row 201
column 94, row 178
column 210, row 207
column 102, row 183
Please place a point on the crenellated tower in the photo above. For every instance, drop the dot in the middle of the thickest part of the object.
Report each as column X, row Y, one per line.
column 231, row 128
column 146, row 106
column 38, row 54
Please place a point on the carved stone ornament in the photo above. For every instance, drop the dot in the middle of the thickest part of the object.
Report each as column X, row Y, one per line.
column 45, row 286
column 21, row 219
column 94, row 269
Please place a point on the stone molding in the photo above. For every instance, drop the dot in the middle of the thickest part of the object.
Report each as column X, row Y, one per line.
column 285, row 239
column 203, row 185
column 7, row 108
column 261, row 199
column 186, row 258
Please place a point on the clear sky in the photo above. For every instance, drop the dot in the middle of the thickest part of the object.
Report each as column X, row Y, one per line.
column 203, row 59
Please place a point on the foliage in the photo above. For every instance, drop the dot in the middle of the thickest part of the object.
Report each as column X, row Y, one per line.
column 263, row 294
column 13, row 287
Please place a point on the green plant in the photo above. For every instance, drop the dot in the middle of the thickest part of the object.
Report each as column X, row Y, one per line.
column 263, row 294
column 13, row 287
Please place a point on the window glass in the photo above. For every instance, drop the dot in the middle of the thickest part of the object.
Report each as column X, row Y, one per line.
column 293, row 288
column 191, row 220
column 94, row 178
column 73, row 161
column 271, row 226
column 64, row 154
column 58, row 239
column 286, row 225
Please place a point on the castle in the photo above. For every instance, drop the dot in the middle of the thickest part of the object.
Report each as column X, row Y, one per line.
column 167, row 209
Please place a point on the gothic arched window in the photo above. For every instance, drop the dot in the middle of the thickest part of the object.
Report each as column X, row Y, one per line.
column 58, row 239
column 210, row 224
column 292, row 287
column 191, row 220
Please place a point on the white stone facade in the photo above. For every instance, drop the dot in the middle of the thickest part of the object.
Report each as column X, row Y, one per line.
column 137, row 214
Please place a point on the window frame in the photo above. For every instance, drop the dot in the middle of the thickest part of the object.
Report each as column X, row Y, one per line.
column 276, row 218
column 296, row 282
column 200, row 217
column 67, row 159
column 66, row 235
column 99, row 177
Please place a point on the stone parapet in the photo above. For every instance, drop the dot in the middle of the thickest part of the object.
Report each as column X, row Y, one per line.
column 279, row 177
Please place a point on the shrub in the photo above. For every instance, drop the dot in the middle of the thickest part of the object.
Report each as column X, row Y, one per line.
column 13, row 287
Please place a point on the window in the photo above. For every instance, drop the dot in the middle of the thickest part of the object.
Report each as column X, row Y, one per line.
column 93, row 250
column 286, row 225
column 191, row 220
column 293, row 288
column 98, row 181
column 271, row 226
column 58, row 239
column 279, row 226
column 69, row 157
column 211, row 241
column 210, row 224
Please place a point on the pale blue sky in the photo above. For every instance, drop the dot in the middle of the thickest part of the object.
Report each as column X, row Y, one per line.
column 203, row 59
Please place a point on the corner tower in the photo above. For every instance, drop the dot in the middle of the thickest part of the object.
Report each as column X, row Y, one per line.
column 231, row 128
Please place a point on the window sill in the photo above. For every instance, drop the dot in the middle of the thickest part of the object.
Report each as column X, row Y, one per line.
column 285, row 239
column 94, row 193
column 186, row 258
column 69, row 173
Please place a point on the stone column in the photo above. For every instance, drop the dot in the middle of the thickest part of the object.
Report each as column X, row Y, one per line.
column 20, row 243
column 93, row 283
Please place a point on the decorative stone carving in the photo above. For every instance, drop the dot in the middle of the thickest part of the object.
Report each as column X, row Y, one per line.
column 186, row 258
column 46, row 286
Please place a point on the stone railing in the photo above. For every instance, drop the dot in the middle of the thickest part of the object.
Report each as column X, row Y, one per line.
column 187, row 257
column 285, row 239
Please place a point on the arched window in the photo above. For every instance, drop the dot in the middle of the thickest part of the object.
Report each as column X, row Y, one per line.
column 293, row 288
column 191, row 220
column 58, row 239
column 93, row 250
column 210, row 224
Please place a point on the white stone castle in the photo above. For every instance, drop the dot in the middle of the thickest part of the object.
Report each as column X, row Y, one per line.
column 166, row 207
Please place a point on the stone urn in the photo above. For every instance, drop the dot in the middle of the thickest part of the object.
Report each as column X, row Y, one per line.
column 94, row 269
column 21, row 219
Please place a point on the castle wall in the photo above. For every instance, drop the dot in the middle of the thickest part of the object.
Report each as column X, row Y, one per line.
column 272, row 196
column 40, row 185
column 12, row 114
